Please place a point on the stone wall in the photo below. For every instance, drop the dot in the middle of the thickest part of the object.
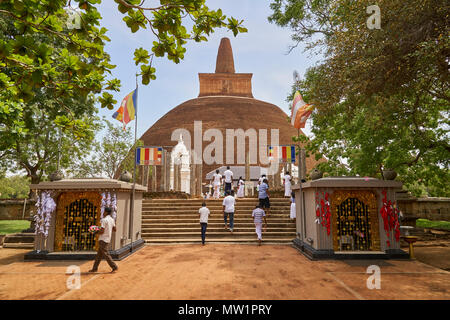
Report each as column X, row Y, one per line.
column 432, row 208
column 12, row 209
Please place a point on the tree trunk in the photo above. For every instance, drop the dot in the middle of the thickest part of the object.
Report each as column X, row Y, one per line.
column 35, row 179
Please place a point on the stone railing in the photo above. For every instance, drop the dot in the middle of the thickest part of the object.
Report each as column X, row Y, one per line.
column 13, row 209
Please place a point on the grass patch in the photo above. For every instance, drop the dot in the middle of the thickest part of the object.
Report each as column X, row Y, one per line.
column 13, row 226
column 425, row 223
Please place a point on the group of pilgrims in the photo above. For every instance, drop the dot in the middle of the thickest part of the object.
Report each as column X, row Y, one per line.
column 223, row 183
column 261, row 210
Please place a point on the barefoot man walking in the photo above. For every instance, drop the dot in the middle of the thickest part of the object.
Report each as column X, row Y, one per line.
column 228, row 209
column 258, row 214
column 107, row 227
column 216, row 183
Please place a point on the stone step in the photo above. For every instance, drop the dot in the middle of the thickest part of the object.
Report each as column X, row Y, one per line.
column 218, row 228
column 197, row 240
column 168, row 221
column 237, row 214
column 219, row 215
column 18, row 245
column 214, row 204
column 214, row 212
column 224, row 233
column 210, row 200
column 218, row 207
column 19, row 238
column 196, row 224
column 211, row 220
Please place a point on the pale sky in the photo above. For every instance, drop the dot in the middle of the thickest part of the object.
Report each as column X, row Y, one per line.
column 262, row 51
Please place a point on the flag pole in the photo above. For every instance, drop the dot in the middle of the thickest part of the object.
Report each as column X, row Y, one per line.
column 135, row 165
column 296, row 80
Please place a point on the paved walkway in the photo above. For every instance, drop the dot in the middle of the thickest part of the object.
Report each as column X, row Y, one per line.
column 220, row 271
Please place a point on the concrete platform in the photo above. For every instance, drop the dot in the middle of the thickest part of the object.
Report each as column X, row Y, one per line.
column 119, row 254
column 314, row 254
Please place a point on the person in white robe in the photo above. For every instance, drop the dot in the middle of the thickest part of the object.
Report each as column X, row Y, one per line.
column 293, row 213
column 217, row 178
column 241, row 186
column 287, row 184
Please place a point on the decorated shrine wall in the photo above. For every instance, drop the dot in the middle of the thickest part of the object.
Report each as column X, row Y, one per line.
column 311, row 227
column 123, row 218
column 369, row 215
column 299, row 221
column 45, row 239
column 323, row 218
column 72, row 210
column 388, row 219
column 51, row 233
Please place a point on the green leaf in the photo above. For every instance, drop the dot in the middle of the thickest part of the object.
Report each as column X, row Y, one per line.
column 141, row 56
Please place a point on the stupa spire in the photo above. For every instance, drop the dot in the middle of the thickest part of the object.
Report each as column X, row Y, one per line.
column 225, row 61
column 225, row 81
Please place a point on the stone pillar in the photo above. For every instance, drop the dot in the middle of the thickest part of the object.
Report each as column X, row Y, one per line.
column 150, row 179
column 167, row 165
column 184, row 180
column 147, row 177
column 302, row 165
column 199, row 179
column 142, row 169
column 154, row 178
column 247, row 166
column 247, row 175
column 177, row 177
column 192, row 168
column 162, row 174
column 271, row 179
column 277, row 178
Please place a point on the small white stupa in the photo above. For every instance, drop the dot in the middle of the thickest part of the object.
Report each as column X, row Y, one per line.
column 180, row 155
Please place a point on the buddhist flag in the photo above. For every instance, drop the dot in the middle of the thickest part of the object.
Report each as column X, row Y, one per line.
column 300, row 111
column 127, row 110
column 149, row 156
column 282, row 153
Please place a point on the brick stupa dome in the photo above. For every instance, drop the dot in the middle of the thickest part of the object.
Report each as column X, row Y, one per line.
column 225, row 102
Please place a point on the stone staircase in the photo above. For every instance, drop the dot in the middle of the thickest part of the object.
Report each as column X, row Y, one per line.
column 19, row 241
column 167, row 221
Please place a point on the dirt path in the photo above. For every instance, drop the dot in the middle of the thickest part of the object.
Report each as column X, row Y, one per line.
column 220, row 272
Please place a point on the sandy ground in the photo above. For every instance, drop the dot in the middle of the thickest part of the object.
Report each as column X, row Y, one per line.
column 436, row 256
column 220, row 271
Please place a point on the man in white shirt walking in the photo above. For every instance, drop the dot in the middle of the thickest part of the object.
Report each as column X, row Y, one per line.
column 258, row 215
column 204, row 214
column 228, row 174
column 217, row 177
column 263, row 195
column 108, row 225
column 228, row 209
